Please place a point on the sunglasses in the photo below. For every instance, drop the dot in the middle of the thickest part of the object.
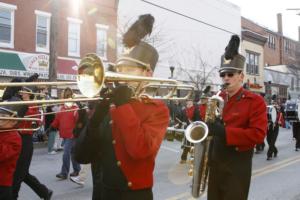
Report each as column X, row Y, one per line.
column 229, row 74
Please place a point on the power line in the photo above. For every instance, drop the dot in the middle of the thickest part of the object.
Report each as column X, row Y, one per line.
column 186, row 16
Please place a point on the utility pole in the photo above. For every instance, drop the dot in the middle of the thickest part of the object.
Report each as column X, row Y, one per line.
column 53, row 41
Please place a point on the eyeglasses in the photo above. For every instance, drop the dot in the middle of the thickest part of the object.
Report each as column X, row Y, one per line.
column 222, row 75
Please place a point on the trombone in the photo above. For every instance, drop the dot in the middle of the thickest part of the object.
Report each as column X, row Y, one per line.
column 91, row 78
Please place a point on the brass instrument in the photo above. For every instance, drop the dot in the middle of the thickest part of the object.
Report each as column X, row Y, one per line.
column 92, row 77
column 25, row 118
column 197, row 133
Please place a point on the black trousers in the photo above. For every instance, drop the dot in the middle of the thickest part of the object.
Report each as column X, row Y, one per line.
column 97, row 180
column 296, row 133
column 22, row 171
column 271, row 139
column 5, row 193
column 229, row 178
column 145, row 194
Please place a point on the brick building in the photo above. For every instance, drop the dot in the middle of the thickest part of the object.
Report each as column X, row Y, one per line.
column 278, row 50
column 28, row 28
column 253, row 48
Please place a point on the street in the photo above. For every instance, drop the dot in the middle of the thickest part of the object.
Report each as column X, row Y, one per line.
column 277, row 179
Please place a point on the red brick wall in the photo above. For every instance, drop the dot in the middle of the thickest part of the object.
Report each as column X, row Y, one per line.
column 25, row 24
column 271, row 56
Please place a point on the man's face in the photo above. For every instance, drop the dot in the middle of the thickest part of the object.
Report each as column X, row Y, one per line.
column 233, row 79
column 7, row 124
column 204, row 101
column 189, row 104
column 25, row 96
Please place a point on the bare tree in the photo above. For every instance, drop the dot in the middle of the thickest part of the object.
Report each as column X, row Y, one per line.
column 195, row 69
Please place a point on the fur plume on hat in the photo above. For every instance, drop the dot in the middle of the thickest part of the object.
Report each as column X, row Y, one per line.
column 138, row 30
column 232, row 48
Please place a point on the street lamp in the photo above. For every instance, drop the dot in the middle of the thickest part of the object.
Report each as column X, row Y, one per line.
column 172, row 71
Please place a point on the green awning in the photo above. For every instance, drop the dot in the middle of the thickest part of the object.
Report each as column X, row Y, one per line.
column 11, row 61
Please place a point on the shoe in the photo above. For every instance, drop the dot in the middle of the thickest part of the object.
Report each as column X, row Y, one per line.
column 49, row 195
column 61, row 176
column 74, row 174
column 52, row 153
column 269, row 158
column 77, row 180
column 182, row 162
column 296, row 149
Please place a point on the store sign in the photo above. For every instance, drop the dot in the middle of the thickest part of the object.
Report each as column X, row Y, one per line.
column 36, row 63
column 19, row 73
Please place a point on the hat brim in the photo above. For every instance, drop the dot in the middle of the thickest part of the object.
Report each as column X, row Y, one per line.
column 230, row 69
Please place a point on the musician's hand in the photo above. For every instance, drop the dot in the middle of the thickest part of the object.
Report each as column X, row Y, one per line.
column 217, row 129
column 121, row 95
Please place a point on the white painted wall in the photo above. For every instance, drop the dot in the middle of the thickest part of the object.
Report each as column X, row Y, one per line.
column 184, row 34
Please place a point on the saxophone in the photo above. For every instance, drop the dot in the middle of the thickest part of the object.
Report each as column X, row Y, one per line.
column 197, row 133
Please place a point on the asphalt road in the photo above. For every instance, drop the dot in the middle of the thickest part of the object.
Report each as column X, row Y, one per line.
column 278, row 179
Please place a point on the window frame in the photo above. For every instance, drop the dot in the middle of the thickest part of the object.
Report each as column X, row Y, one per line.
column 11, row 8
column 77, row 22
column 102, row 27
column 39, row 13
column 252, row 69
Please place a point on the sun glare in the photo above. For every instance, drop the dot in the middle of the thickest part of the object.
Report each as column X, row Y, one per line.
column 76, row 4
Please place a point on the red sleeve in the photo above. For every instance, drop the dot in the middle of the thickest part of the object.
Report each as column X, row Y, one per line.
column 141, row 138
column 55, row 123
column 10, row 147
column 257, row 126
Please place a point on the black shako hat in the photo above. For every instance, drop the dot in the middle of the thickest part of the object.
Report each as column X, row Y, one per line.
column 232, row 60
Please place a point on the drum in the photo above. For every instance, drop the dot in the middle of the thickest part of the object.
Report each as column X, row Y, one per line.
column 272, row 114
column 292, row 112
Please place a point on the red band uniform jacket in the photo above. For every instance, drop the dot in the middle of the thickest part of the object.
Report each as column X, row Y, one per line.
column 10, row 148
column 29, row 124
column 130, row 142
column 245, row 119
column 65, row 121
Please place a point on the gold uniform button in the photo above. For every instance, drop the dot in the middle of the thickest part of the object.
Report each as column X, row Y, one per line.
column 236, row 148
column 129, row 184
column 224, row 124
column 114, row 142
column 119, row 163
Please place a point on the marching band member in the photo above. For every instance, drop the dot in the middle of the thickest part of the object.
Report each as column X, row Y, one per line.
column 128, row 135
column 296, row 134
column 190, row 114
column 65, row 122
column 10, row 148
column 244, row 125
column 202, row 106
column 22, row 171
column 273, row 130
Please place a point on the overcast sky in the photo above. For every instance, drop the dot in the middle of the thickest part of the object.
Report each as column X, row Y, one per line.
column 264, row 13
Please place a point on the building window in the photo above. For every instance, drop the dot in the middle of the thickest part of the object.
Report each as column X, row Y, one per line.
column 271, row 42
column 42, row 31
column 101, row 41
column 252, row 63
column 7, row 20
column 287, row 47
column 74, row 37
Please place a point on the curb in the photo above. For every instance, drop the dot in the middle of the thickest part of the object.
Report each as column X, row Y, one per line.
column 38, row 145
